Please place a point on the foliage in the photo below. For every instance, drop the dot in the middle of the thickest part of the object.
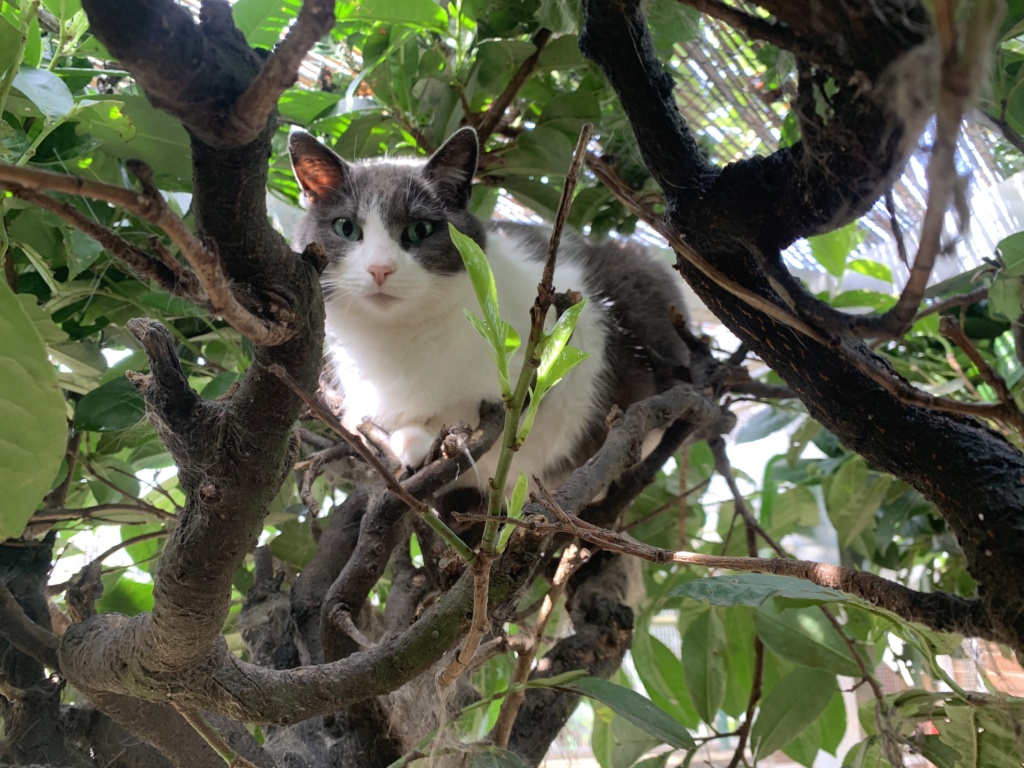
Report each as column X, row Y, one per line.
column 405, row 74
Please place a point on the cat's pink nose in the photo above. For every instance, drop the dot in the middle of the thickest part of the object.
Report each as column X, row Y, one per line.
column 380, row 272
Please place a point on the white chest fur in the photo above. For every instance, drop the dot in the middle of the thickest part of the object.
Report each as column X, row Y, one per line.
column 412, row 363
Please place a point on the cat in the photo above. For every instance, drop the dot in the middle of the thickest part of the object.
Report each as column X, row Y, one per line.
column 395, row 288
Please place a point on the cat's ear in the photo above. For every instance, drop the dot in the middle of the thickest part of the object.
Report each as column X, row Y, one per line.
column 454, row 164
column 317, row 169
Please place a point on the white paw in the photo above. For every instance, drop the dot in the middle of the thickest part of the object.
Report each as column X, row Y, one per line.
column 411, row 445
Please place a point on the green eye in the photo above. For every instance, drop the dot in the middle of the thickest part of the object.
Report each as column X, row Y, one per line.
column 348, row 229
column 418, row 230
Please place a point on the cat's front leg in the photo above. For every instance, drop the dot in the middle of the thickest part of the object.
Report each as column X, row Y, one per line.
column 412, row 444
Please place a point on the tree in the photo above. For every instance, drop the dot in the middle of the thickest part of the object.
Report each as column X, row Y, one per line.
column 321, row 647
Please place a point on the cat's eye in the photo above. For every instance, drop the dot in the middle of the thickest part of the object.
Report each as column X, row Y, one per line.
column 418, row 230
column 348, row 229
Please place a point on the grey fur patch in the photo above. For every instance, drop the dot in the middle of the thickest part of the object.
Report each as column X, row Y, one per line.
column 399, row 192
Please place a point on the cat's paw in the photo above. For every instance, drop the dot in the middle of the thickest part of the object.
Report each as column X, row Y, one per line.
column 411, row 445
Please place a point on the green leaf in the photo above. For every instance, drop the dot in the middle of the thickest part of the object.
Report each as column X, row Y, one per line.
column 703, row 665
column 515, row 505
column 852, row 498
column 123, row 595
column 871, row 269
column 48, row 330
column 416, row 13
column 82, row 251
column 560, row 16
column 33, row 415
column 764, row 423
column 638, row 710
column 44, row 89
column 795, row 701
column 479, row 274
column 824, row 733
column 755, row 590
column 153, row 136
column 866, row 754
column 794, row 509
column 805, row 637
column 833, row 248
column 10, row 41
column 661, row 673
column 879, row 302
column 1011, row 250
column 553, row 364
column 262, row 21
column 984, row 737
column 1006, row 296
column 562, row 53
column 302, row 106
column 294, row 544
column 616, row 742
column 115, row 405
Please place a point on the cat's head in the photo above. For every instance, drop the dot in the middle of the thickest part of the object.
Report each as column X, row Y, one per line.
column 384, row 225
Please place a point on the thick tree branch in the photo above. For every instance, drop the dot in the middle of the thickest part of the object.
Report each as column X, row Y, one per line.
column 280, row 71
column 776, row 33
column 974, row 477
column 23, row 633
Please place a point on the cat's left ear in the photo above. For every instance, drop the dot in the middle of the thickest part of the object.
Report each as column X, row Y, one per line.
column 317, row 169
column 454, row 164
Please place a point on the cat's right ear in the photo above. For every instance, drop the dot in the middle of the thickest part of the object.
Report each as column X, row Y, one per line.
column 453, row 165
column 317, row 169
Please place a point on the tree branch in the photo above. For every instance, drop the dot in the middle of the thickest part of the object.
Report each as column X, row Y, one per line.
column 280, row 71
column 486, row 122
column 776, row 33
column 939, row 610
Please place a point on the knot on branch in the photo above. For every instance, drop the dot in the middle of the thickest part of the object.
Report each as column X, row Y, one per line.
column 173, row 408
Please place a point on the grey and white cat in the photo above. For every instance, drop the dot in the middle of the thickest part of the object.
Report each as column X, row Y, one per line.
column 395, row 289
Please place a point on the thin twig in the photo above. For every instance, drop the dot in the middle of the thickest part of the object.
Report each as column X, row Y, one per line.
column 915, row 606
column 897, row 230
column 960, row 300
column 93, row 513
column 487, row 122
column 950, row 328
column 23, row 633
column 478, row 626
column 173, row 276
column 212, row 737
column 59, row 495
column 572, row 558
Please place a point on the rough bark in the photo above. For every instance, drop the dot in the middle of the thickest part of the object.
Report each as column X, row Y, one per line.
column 739, row 217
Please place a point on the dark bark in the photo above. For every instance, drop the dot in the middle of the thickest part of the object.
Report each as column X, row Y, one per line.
column 381, row 529
column 743, row 215
column 34, row 730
